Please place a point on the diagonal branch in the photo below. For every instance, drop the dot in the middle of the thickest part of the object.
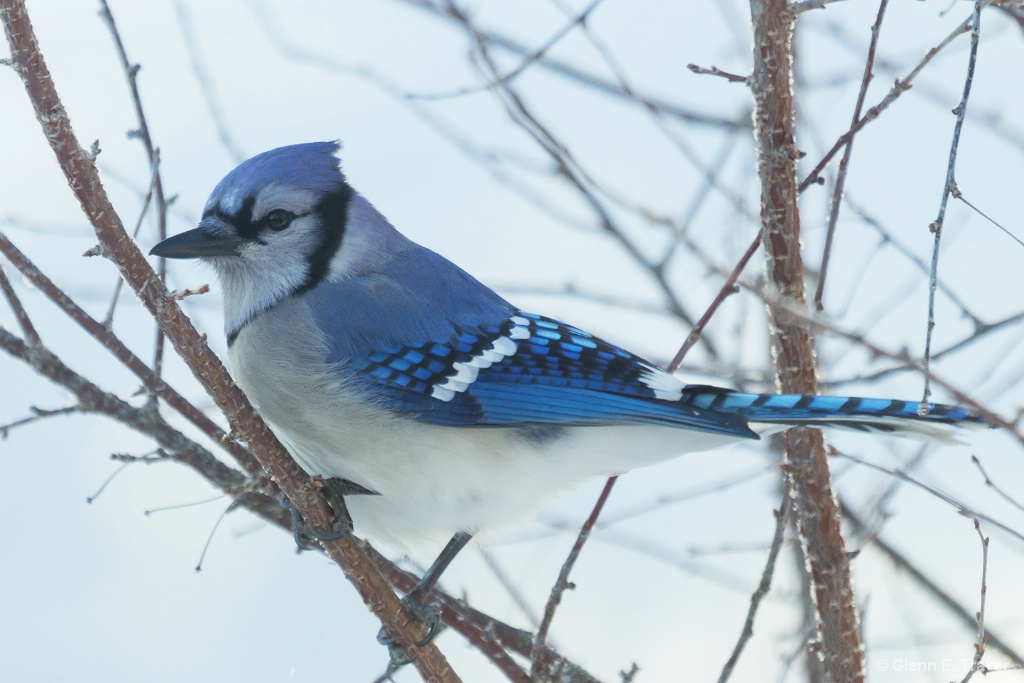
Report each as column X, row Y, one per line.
column 844, row 164
column 562, row 583
column 781, row 519
column 92, row 399
column 104, row 336
column 488, row 633
column 131, row 72
column 901, row 86
column 115, row 244
column 577, row 75
column 20, row 314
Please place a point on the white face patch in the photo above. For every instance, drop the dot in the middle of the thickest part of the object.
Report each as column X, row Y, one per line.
column 273, row 265
column 467, row 371
column 285, row 197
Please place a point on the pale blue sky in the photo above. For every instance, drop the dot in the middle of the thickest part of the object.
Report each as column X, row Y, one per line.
column 103, row 593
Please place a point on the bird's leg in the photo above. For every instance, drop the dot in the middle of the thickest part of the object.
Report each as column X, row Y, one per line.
column 417, row 597
column 334, row 489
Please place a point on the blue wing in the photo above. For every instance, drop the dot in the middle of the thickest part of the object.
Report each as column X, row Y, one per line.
column 427, row 340
column 531, row 370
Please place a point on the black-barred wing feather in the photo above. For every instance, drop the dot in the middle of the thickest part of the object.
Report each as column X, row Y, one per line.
column 532, row 370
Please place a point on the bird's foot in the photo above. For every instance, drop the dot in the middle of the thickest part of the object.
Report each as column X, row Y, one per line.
column 334, row 490
column 427, row 614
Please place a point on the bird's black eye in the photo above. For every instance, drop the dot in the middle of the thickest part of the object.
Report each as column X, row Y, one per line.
column 278, row 219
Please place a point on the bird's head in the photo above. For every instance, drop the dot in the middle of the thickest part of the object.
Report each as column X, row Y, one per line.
column 279, row 215
column 271, row 227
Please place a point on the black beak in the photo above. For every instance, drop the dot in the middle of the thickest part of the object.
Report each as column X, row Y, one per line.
column 200, row 242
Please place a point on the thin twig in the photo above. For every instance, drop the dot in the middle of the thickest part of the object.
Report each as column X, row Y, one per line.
column 900, row 561
column 197, row 63
column 37, row 414
column 131, row 72
column 958, row 194
column 844, row 165
column 899, row 87
column 979, row 647
column 209, row 539
column 781, row 519
column 579, row 76
column 510, row 587
column 961, row 508
column 106, row 482
column 991, row 484
column 178, row 506
column 108, row 319
column 528, row 60
column 715, row 71
column 562, row 584
column 947, row 190
column 728, row 287
column 20, row 314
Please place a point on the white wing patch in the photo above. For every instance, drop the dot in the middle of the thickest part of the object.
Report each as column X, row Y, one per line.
column 521, row 329
column 467, row 371
column 665, row 386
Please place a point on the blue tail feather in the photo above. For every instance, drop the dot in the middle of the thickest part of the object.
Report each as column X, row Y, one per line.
column 869, row 414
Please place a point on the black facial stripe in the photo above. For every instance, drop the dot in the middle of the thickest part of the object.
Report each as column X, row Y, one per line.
column 333, row 212
column 241, row 220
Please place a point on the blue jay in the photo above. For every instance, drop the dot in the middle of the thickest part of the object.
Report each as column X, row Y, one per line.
column 378, row 362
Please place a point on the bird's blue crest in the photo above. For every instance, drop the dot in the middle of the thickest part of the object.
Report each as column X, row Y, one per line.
column 312, row 166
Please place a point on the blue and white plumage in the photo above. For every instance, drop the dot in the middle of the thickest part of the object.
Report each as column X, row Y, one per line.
column 378, row 361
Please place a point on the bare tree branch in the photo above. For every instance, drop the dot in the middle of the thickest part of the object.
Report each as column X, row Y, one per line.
column 562, row 583
column 20, row 314
column 80, row 170
column 108, row 339
column 605, row 86
column 817, row 513
column 131, row 72
column 942, row 598
column 979, row 647
column 899, row 87
column 844, row 164
column 947, row 190
column 781, row 520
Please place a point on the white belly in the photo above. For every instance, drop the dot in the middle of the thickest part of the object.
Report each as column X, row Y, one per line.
column 434, row 481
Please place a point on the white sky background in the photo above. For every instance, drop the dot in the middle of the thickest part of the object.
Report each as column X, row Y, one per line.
column 102, row 592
